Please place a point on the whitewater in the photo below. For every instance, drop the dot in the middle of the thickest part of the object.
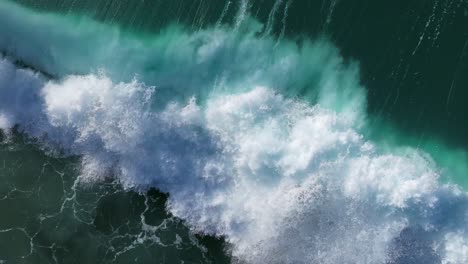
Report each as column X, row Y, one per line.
column 257, row 140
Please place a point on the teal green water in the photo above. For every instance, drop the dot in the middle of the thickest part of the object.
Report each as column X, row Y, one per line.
column 398, row 70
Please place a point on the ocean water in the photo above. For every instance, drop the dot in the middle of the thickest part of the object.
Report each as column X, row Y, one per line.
column 244, row 131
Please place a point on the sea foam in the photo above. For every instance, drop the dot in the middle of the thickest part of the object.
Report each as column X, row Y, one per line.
column 283, row 181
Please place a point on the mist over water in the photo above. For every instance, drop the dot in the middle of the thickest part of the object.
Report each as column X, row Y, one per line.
column 262, row 146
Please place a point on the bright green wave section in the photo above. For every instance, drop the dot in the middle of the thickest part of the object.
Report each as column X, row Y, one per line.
column 452, row 160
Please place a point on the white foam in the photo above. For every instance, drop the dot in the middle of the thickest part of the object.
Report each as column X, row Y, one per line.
column 5, row 123
column 282, row 181
column 456, row 248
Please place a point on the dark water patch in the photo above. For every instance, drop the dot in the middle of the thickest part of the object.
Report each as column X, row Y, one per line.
column 140, row 15
column 412, row 247
column 412, row 56
column 49, row 217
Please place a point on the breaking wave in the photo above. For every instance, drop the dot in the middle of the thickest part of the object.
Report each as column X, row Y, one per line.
column 254, row 139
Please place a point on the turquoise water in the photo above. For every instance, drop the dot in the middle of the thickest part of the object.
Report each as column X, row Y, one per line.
column 226, row 132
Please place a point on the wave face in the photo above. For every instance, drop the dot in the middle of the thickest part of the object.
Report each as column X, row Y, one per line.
column 213, row 118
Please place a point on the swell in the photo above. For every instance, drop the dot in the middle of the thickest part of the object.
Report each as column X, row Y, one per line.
column 210, row 118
